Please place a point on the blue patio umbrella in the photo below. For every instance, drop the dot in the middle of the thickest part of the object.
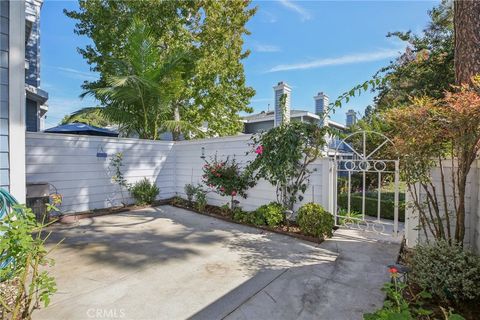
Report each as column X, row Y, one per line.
column 82, row 128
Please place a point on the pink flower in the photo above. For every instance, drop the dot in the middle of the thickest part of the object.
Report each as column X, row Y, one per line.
column 222, row 189
column 259, row 150
column 234, row 193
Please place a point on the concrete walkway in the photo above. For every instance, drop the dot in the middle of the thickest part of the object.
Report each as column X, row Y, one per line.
column 169, row 263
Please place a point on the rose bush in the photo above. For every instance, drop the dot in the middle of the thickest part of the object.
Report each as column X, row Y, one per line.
column 226, row 178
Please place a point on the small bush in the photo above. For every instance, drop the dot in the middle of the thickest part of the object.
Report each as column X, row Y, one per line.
column 252, row 217
column 272, row 213
column 447, row 271
column 144, row 192
column 201, row 199
column 190, row 191
column 313, row 220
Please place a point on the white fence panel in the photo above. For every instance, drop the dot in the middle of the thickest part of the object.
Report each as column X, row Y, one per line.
column 416, row 235
column 70, row 163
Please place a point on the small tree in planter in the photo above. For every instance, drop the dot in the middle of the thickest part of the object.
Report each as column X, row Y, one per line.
column 283, row 155
column 226, row 178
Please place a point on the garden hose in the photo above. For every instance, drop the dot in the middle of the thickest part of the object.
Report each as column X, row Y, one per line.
column 7, row 205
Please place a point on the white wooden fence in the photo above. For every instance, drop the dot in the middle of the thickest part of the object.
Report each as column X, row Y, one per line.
column 415, row 235
column 70, row 163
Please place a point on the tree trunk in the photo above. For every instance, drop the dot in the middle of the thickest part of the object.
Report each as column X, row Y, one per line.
column 467, row 40
column 176, row 117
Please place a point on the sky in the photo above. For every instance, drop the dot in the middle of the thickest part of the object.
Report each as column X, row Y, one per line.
column 314, row 46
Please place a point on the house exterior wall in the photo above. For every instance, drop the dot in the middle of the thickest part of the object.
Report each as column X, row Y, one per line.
column 255, row 127
column 12, row 139
column 4, row 95
column 69, row 163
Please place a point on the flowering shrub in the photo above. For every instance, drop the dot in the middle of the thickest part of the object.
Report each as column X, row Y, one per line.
column 283, row 155
column 226, row 178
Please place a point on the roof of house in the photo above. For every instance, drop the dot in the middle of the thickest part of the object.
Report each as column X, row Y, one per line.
column 294, row 113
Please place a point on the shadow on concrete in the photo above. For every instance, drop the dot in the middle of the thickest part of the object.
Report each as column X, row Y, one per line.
column 129, row 240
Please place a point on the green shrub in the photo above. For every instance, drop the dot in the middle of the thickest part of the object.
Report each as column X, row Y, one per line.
column 313, row 220
column 253, row 217
column 200, row 199
column 272, row 213
column 190, row 191
column 447, row 271
column 144, row 192
column 387, row 204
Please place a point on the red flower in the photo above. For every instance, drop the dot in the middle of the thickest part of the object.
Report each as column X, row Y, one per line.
column 234, row 193
column 222, row 189
column 393, row 270
column 259, row 150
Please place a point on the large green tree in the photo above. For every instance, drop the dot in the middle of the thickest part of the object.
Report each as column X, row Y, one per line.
column 425, row 67
column 209, row 32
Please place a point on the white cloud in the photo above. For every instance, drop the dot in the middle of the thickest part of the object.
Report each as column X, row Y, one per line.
column 266, row 48
column 342, row 60
column 77, row 74
column 304, row 14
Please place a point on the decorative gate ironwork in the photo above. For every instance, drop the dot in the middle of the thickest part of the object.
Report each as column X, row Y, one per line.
column 352, row 157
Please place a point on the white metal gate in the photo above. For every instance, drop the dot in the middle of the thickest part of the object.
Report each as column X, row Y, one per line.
column 352, row 158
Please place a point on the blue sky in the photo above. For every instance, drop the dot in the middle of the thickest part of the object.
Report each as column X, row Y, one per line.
column 314, row 46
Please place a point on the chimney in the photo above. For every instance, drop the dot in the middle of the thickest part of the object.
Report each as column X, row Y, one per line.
column 351, row 118
column 321, row 106
column 280, row 89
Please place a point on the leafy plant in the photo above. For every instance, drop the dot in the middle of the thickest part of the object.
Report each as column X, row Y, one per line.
column 200, row 199
column 226, row 178
column 447, row 270
column 253, row 217
column 273, row 213
column 211, row 87
column 116, row 163
column 283, row 155
column 25, row 263
column 315, row 221
column 191, row 191
column 144, row 191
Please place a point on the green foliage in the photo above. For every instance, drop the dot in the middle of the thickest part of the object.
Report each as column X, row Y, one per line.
column 313, row 220
column 272, row 213
column 200, row 199
column 92, row 116
column 213, row 87
column 191, row 191
column 144, row 191
column 226, row 178
column 447, row 270
column 140, row 89
column 426, row 67
column 283, row 156
column 387, row 205
column 22, row 248
column 253, row 217
column 116, row 163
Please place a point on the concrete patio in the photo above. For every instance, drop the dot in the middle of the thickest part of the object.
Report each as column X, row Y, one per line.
column 169, row 263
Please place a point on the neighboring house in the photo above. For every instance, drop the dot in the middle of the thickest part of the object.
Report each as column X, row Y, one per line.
column 264, row 121
column 36, row 98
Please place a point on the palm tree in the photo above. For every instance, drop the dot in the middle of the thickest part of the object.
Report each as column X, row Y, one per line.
column 142, row 90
